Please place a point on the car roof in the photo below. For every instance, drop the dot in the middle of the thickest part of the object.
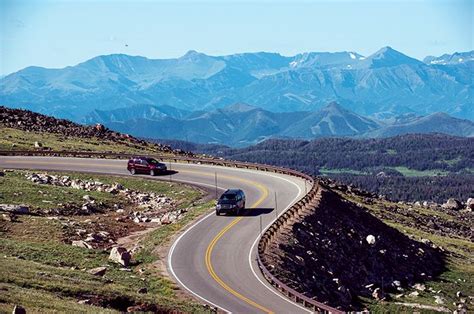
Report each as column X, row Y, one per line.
column 233, row 191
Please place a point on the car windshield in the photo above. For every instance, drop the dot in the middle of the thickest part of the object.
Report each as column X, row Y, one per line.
column 228, row 197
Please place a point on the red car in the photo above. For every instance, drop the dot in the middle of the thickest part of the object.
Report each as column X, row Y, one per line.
column 146, row 165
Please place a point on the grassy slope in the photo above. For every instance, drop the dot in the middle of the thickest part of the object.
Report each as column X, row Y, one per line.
column 459, row 275
column 23, row 140
column 41, row 272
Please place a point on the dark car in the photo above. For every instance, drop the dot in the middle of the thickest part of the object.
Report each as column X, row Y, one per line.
column 146, row 165
column 232, row 201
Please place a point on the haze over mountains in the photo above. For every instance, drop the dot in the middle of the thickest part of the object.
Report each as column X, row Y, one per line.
column 383, row 84
column 242, row 125
column 194, row 97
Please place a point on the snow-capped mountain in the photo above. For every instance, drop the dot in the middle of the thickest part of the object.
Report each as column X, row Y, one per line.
column 385, row 84
column 455, row 58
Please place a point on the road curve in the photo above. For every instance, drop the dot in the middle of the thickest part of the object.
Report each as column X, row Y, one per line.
column 214, row 259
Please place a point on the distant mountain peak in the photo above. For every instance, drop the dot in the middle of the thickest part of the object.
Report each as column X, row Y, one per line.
column 455, row 58
column 387, row 56
column 193, row 54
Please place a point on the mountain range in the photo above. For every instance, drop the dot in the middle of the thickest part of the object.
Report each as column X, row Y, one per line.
column 242, row 125
column 383, row 85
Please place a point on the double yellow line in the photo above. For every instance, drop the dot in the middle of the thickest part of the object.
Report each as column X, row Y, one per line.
column 214, row 241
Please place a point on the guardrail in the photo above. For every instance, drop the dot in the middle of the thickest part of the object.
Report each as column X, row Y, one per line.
column 306, row 203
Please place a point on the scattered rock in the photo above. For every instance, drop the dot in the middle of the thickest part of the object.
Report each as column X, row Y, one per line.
column 88, row 198
column 142, row 290
column 419, row 287
column 378, row 294
column 86, row 301
column 414, row 294
column 38, row 144
column 98, row 271
column 120, row 255
column 370, row 239
column 82, row 244
column 439, row 299
column 14, row 209
column 452, row 204
column 470, row 204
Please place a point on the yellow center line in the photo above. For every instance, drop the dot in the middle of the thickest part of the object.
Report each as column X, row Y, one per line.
column 214, row 241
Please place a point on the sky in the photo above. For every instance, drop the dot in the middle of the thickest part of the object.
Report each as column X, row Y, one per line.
column 56, row 34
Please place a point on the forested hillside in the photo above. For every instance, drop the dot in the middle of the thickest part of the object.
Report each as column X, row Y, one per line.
column 410, row 167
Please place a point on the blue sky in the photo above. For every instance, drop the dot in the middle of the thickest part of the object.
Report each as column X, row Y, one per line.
column 61, row 33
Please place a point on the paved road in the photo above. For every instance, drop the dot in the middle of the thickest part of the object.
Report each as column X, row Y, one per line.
column 214, row 259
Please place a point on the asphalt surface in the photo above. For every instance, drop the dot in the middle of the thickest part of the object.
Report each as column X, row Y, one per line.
column 214, row 259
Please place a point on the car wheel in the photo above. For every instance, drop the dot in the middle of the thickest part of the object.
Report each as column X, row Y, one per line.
column 218, row 213
column 152, row 173
column 132, row 171
column 243, row 207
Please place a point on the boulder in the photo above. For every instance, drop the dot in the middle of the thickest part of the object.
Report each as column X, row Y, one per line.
column 38, row 144
column 120, row 255
column 470, row 204
column 378, row 294
column 14, row 209
column 439, row 299
column 88, row 198
column 452, row 204
column 82, row 244
column 370, row 239
column 98, row 271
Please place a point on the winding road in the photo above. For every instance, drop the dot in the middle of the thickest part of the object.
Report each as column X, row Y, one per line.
column 215, row 258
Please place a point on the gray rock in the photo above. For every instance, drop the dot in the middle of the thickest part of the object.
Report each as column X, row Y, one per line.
column 470, row 204
column 14, row 209
column 82, row 244
column 98, row 271
column 370, row 239
column 378, row 294
column 452, row 204
column 120, row 255
column 88, row 198
column 38, row 144
column 439, row 299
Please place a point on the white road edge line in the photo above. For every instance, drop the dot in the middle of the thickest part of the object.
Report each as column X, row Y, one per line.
column 258, row 238
column 170, row 254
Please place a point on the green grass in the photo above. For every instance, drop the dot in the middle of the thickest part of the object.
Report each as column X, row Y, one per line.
column 16, row 189
column 14, row 139
column 43, row 274
column 459, row 274
column 407, row 172
column 163, row 235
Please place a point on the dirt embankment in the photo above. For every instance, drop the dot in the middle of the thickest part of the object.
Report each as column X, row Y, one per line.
column 340, row 253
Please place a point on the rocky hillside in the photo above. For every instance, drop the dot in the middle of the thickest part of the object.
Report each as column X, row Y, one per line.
column 354, row 250
column 29, row 122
